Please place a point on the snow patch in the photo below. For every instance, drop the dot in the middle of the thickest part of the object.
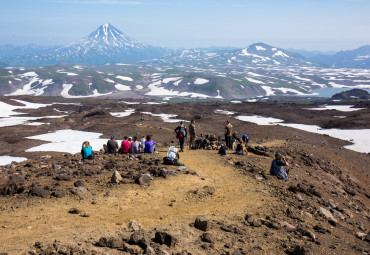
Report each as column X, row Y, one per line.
column 200, row 81
column 68, row 140
column 4, row 160
column 124, row 78
column 121, row 87
column 126, row 113
column 359, row 137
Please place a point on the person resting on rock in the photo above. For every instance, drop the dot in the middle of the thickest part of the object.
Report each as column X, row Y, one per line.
column 149, row 145
column 277, row 167
column 86, row 151
column 112, row 146
column 240, row 149
column 172, row 156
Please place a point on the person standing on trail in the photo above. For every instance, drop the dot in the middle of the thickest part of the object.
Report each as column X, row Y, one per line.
column 181, row 135
column 192, row 134
column 277, row 167
column 228, row 135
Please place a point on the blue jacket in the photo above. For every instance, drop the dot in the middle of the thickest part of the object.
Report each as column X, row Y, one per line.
column 87, row 151
column 278, row 170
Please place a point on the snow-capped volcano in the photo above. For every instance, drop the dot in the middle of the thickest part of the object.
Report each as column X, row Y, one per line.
column 105, row 45
column 103, row 38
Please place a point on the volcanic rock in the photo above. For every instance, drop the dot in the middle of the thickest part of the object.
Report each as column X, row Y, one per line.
column 166, row 238
column 202, row 223
column 116, row 178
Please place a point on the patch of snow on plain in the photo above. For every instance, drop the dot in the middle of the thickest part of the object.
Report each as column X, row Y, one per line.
column 285, row 90
column 29, row 74
column 167, row 80
column 224, row 112
column 342, row 108
column 254, row 81
column 68, row 140
column 269, row 91
column 200, row 81
column 138, row 87
column 165, row 117
column 177, row 82
column 255, row 74
column 109, row 80
column 121, row 87
column 124, row 78
column 4, row 160
column 126, row 113
column 359, row 137
column 67, row 87
column 236, row 102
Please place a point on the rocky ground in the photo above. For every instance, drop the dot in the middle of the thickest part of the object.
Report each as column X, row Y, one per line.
column 55, row 203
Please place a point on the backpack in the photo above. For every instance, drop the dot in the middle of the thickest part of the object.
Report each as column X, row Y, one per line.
column 245, row 137
column 181, row 132
column 222, row 150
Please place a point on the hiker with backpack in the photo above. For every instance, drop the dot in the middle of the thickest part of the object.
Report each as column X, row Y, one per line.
column 181, row 135
column 192, row 134
column 245, row 138
column 86, row 151
column 277, row 167
column 172, row 156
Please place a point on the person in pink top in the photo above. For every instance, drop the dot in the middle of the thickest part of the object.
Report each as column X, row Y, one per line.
column 125, row 146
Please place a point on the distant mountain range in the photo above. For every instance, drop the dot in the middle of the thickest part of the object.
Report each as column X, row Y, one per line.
column 107, row 44
column 358, row 58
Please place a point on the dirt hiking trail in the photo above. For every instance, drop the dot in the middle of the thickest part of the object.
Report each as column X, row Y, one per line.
column 217, row 189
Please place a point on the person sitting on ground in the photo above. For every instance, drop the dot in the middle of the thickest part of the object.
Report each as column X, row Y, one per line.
column 135, row 146
column 112, row 146
column 240, row 149
column 245, row 138
column 172, row 156
column 149, row 145
column 125, row 146
column 277, row 167
column 86, row 151
column 142, row 143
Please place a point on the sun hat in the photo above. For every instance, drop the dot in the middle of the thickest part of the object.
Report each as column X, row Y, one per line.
column 278, row 155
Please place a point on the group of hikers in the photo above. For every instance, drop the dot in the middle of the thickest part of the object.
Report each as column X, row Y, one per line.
column 145, row 145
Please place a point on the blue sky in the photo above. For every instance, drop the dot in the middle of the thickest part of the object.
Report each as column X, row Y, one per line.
column 308, row 24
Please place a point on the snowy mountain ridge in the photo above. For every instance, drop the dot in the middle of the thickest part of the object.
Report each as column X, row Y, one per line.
column 102, row 39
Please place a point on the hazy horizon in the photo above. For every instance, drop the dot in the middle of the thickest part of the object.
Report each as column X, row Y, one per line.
column 329, row 25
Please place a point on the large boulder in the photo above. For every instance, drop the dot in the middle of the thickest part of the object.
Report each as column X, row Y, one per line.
column 166, row 238
column 12, row 184
column 201, row 223
column 140, row 238
column 116, row 178
column 143, row 179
